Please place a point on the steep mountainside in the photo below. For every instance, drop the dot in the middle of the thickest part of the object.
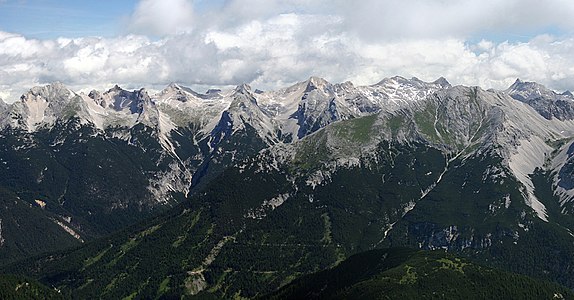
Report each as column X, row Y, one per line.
column 83, row 177
column 92, row 164
column 400, row 163
column 406, row 274
column 268, row 186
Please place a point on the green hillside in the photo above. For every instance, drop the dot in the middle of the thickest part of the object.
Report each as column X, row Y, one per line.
column 16, row 288
column 408, row 274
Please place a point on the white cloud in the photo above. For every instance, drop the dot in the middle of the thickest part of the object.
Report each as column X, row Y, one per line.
column 271, row 44
column 162, row 17
column 397, row 19
column 275, row 53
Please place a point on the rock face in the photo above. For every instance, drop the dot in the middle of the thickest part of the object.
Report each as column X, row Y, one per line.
column 546, row 102
column 302, row 177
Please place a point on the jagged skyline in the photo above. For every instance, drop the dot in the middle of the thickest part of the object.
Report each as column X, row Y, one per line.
column 270, row 44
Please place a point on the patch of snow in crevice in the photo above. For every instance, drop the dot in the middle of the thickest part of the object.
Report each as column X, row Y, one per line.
column 507, row 201
column 1, row 236
column 386, row 233
column 69, row 230
column 529, row 155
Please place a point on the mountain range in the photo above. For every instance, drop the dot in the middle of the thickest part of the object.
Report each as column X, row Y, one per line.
column 238, row 192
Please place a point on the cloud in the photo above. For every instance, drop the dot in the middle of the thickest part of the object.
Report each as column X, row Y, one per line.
column 272, row 44
column 162, row 17
column 396, row 19
column 276, row 53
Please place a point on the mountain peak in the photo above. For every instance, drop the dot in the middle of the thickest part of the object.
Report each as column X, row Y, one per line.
column 56, row 87
column 317, row 80
column 3, row 106
column 174, row 86
column 528, row 89
column 51, row 93
column 319, row 83
column 395, row 80
column 442, row 82
column 243, row 89
column 531, row 86
column 116, row 88
column 546, row 102
column 143, row 95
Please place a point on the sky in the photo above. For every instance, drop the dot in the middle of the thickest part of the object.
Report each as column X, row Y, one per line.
column 271, row 44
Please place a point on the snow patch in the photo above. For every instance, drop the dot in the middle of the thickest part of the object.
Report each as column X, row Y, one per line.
column 1, row 237
column 41, row 203
column 68, row 230
column 507, row 201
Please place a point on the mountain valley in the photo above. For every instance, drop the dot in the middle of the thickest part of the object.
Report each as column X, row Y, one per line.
column 237, row 193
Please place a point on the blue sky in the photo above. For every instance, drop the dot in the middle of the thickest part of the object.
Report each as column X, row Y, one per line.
column 54, row 18
column 272, row 44
column 48, row 19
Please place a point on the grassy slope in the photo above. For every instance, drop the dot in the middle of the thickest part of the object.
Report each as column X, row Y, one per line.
column 14, row 288
column 407, row 274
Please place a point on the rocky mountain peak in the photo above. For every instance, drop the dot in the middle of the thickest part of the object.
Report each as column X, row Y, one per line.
column 50, row 93
column 243, row 89
column 116, row 88
column 318, row 83
column 182, row 94
column 399, row 81
column 143, row 95
column 174, row 86
column 524, row 90
column 546, row 102
column 442, row 82
column 243, row 99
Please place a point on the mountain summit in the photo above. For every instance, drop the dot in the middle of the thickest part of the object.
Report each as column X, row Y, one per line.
column 546, row 102
column 252, row 188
